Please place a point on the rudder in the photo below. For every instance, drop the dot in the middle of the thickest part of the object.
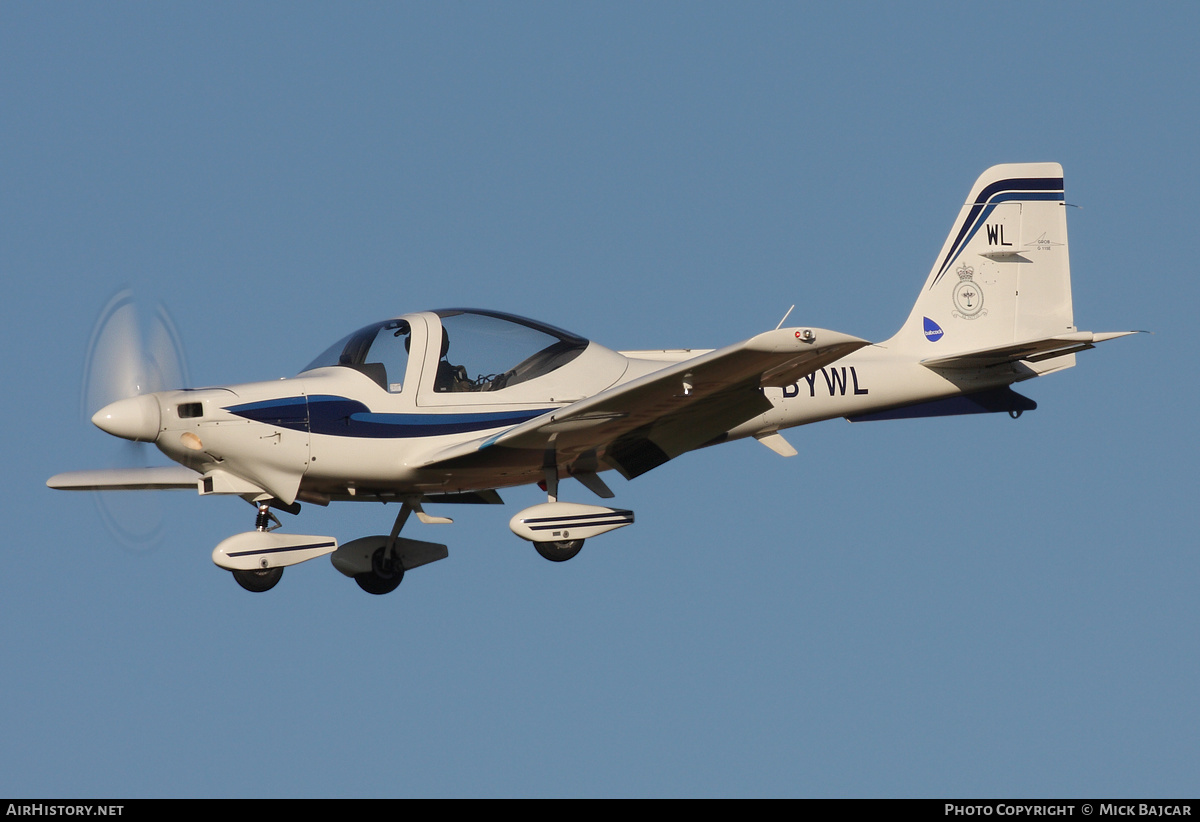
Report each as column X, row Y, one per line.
column 1003, row 274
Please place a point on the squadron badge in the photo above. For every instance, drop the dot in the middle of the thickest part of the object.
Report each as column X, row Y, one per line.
column 968, row 296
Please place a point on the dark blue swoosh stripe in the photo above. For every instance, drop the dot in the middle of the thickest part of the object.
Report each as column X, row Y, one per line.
column 1031, row 188
column 343, row 417
column 281, row 550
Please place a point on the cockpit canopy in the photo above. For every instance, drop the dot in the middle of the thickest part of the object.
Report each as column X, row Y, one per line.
column 378, row 350
column 480, row 351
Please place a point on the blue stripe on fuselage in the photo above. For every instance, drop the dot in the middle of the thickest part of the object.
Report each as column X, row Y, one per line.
column 343, row 417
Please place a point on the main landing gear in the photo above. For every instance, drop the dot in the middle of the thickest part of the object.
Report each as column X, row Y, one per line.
column 385, row 575
column 378, row 563
column 387, row 571
column 559, row 550
column 567, row 524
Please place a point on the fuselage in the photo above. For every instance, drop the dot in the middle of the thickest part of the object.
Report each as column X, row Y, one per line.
column 335, row 433
column 449, row 405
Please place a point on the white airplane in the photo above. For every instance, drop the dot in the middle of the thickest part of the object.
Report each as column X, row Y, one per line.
column 449, row 406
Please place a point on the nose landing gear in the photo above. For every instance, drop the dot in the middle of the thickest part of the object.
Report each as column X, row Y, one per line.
column 257, row 558
column 258, row 580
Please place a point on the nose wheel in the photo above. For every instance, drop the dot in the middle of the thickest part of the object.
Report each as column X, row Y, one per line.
column 259, row 581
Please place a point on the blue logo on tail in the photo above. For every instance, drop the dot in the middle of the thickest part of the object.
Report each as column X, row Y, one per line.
column 933, row 331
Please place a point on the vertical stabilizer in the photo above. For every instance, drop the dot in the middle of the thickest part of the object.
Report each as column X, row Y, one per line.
column 1003, row 275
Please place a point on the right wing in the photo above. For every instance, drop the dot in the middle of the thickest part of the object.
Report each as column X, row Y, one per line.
column 126, row 479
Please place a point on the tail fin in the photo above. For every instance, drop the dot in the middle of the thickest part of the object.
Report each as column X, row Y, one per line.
column 1003, row 276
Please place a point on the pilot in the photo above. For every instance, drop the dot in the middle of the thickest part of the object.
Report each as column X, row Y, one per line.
column 450, row 377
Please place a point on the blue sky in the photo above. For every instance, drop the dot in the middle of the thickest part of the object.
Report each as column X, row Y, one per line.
column 958, row 607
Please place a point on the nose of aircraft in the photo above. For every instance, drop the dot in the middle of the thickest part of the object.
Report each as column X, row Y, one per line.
column 134, row 418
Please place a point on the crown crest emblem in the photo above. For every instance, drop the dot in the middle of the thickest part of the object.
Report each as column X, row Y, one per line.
column 965, row 273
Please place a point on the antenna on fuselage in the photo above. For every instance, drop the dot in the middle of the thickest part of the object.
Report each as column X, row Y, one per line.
column 785, row 316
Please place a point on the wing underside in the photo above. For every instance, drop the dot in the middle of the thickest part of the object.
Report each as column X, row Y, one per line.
column 127, row 479
column 636, row 426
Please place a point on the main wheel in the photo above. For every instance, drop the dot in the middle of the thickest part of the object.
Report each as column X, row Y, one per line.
column 383, row 578
column 560, row 550
column 259, row 580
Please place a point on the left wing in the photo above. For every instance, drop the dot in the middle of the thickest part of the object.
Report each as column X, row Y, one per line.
column 639, row 425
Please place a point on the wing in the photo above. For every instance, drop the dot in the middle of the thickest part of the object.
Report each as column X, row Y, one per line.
column 640, row 424
column 126, row 479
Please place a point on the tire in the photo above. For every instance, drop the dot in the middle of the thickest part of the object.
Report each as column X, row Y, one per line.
column 559, row 551
column 258, row 581
column 383, row 578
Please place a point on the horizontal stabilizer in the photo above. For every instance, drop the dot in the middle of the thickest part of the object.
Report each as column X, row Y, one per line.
column 1029, row 350
column 984, row 402
column 126, row 479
